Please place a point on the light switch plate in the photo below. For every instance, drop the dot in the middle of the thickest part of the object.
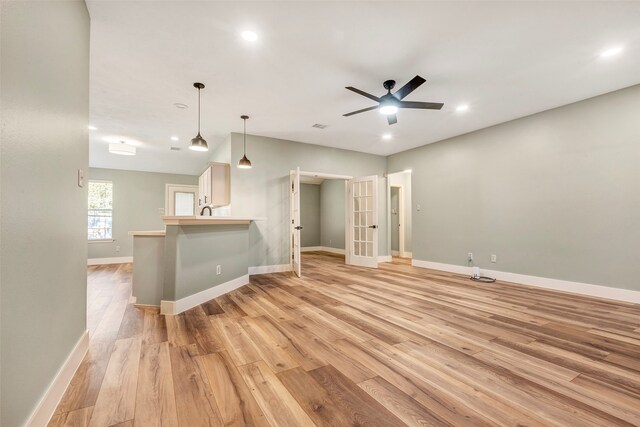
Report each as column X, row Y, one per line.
column 80, row 178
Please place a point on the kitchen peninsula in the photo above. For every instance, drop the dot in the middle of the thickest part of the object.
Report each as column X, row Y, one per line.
column 195, row 259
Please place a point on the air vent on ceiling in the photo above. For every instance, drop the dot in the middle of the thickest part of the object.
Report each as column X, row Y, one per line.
column 319, row 126
column 175, row 148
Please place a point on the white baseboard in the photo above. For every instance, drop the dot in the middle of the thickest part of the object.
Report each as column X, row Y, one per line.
column 541, row 282
column 112, row 260
column 322, row 249
column 406, row 254
column 177, row 307
column 265, row 269
column 384, row 258
column 51, row 398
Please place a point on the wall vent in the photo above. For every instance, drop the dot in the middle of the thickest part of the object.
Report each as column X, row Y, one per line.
column 319, row 126
column 175, row 148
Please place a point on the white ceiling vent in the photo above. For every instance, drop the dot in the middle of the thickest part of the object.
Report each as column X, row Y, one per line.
column 319, row 126
column 175, row 148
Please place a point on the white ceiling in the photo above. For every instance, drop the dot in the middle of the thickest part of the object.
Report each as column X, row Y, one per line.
column 504, row 59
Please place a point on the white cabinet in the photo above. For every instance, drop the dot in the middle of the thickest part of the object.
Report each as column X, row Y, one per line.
column 214, row 185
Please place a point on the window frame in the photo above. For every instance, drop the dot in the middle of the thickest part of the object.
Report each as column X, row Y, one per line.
column 106, row 240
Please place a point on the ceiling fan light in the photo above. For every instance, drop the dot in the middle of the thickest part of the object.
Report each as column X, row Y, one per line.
column 387, row 110
column 244, row 163
column 199, row 144
column 122, row 149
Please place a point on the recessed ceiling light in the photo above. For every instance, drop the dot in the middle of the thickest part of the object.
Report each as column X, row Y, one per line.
column 249, row 36
column 174, row 138
column 387, row 136
column 180, row 105
column 92, row 127
column 462, row 108
column 611, row 52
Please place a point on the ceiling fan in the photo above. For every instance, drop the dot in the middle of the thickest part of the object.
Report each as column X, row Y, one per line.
column 388, row 104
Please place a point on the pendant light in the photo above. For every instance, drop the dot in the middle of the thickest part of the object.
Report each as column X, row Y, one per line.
column 244, row 163
column 198, row 143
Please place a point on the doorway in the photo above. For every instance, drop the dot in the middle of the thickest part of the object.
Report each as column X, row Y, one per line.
column 336, row 214
column 400, row 225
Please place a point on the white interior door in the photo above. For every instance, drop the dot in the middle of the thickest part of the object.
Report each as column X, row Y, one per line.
column 180, row 200
column 362, row 206
column 295, row 227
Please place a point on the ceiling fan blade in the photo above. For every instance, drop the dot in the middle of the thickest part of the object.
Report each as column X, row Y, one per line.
column 421, row 105
column 409, row 87
column 392, row 119
column 360, row 111
column 368, row 95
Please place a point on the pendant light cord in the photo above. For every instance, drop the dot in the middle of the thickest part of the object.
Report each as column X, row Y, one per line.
column 198, row 111
column 244, row 137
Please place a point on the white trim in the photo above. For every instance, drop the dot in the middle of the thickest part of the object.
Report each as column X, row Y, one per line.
column 111, row 260
column 541, row 282
column 46, row 407
column 322, row 249
column 101, row 241
column 406, row 254
column 384, row 258
column 177, row 307
column 325, row 175
column 395, row 253
column 266, row 269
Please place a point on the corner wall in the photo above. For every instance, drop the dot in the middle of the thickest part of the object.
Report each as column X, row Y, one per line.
column 45, row 113
column 552, row 195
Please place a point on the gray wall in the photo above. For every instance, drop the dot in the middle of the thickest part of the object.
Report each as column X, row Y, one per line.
column 263, row 191
column 45, row 113
column 553, row 195
column 310, row 215
column 137, row 196
column 192, row 253
column 332, row 212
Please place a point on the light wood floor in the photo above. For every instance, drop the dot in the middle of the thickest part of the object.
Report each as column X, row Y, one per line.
column 350, row 346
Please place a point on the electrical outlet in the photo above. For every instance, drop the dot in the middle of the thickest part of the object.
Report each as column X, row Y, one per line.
column 470, row 256
column 218, row 269
column 494, row 258
column 118, row 248
column 418, row 207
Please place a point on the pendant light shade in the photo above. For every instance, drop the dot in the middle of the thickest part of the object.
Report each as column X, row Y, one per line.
column 244, row 162
column 198, row 143
column 122, row 148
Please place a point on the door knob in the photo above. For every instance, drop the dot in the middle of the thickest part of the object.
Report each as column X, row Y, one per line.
column 299, row 227
column 373, row 226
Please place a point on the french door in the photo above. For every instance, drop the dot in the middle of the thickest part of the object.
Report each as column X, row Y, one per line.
column 295, row 227
column 362, row 208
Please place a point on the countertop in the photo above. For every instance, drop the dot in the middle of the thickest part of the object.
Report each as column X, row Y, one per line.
column 208, row 220
column 157, row 233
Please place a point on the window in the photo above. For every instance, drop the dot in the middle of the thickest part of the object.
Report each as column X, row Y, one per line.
column 100, row 210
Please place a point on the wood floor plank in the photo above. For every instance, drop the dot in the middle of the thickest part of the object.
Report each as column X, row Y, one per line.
column 155, row 397
column 364, row 409
column 117, row 396
column 235, row 339
column 402, row 406
column 277, row 404
column 315, row 400
column 237, row 405
column 191, row 390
